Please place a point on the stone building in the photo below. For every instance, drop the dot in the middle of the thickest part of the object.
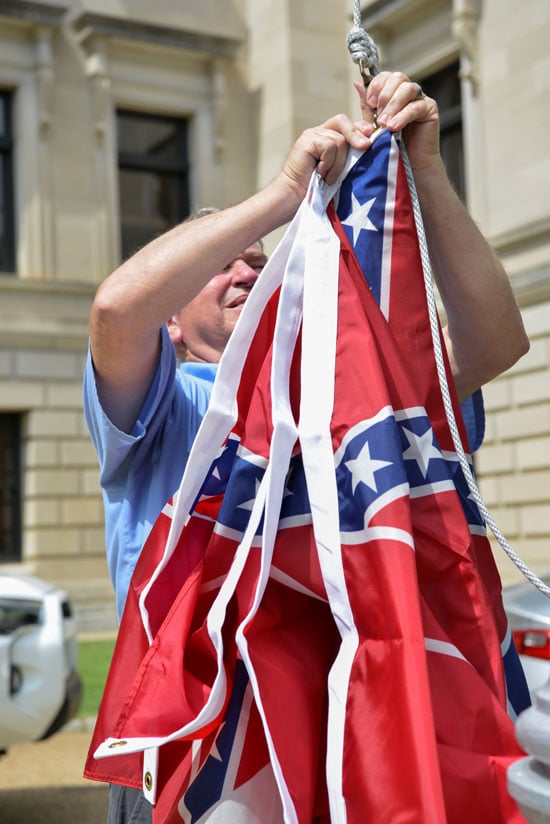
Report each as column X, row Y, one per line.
column 118, row 116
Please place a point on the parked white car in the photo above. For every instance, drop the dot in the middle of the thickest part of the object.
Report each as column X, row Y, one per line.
column 528, row 611
column 529, row 778
column 40, row 688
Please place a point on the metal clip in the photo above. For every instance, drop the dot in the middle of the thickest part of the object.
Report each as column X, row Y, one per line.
column 364, row 68
column 367, row 76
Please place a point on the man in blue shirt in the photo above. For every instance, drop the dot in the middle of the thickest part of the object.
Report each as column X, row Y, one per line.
column 185, row 291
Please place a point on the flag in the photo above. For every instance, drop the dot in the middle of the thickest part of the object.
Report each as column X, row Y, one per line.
column 314, row 630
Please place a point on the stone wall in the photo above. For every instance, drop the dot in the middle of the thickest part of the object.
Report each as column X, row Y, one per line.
column 514, row 463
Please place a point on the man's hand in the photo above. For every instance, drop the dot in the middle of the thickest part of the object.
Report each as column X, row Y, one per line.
column 480, row 344
column 323, row 148
column 394, row 99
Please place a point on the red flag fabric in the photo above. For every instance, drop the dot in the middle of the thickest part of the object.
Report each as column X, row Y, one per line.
column 313, row 631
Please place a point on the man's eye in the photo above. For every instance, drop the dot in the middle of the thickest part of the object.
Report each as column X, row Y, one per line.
column 256, row 266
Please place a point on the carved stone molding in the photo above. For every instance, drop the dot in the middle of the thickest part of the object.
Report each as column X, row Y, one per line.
column 44, row 75
column 465, row 27
column 522, row 237
column 98, row 71
column 219, row 68
column 91, row 55
column 387, row 17
column 128, row 29
column 533, row 286
column 29, row 12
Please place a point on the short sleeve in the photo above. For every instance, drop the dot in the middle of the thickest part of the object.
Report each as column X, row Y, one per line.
column 473, row 412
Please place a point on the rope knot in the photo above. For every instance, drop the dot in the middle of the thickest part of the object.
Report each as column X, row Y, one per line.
column 363, row 51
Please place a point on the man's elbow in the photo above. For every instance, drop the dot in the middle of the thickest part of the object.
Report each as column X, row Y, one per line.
column 473, row 367
column 107, row 314
column 516, row 347
column 524, row 345
column 503, row 357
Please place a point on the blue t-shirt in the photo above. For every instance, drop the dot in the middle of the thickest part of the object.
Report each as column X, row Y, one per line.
column 140, row 471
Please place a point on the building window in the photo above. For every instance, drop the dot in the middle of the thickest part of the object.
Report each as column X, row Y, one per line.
column 444, row 86
column 153, row 176
column 7, row 220
column 10, row 487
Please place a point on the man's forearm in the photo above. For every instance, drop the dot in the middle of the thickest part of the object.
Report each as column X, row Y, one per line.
column 484, row 333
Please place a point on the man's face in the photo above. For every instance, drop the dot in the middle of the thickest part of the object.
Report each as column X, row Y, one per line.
column 205, row 324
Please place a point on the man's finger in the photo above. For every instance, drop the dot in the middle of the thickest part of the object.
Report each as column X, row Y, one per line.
column 368, row 114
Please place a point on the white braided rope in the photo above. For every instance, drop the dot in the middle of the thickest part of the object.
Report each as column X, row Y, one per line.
column 432, row 310
column 361, row 46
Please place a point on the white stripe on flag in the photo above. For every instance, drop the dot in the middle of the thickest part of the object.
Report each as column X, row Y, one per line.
column 443, row 648
column 507, row 642
column 287, row 581
column 387, row 238
column 317, row 401
column 378, row 533
column 432, row 489
column 287, row 326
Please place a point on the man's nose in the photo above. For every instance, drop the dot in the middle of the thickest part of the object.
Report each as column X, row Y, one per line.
column 242, row 274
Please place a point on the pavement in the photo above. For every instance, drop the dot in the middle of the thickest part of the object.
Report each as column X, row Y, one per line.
column 42, row 783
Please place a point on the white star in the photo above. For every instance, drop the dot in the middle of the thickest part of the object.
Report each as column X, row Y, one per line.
column 363, row 468
column 359, row 217
column 250, row 503
column 214, row 752
column 216, row 470
column 421, row 449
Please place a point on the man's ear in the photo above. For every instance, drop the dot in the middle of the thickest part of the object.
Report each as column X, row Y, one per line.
column 176, row 336
column 174, row 330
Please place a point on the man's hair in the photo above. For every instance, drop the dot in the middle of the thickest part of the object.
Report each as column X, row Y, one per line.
column 210, row 210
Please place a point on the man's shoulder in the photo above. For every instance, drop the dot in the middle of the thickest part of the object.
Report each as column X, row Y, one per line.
column 194, row 382
column 192, row 370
